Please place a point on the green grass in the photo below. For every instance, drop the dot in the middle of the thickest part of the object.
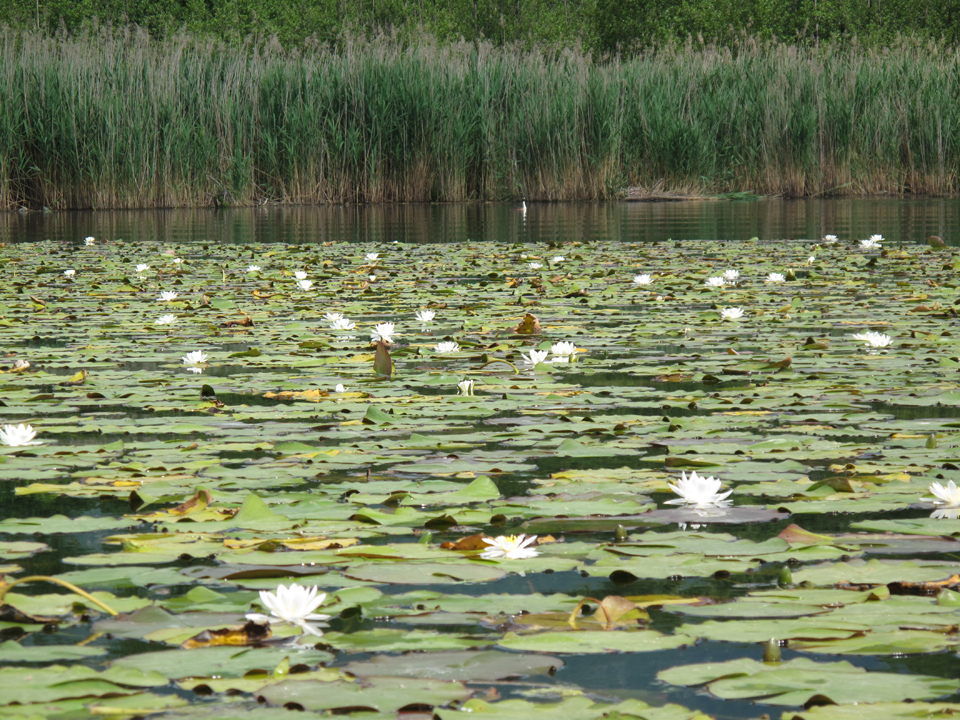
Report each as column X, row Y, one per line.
column 116, row 119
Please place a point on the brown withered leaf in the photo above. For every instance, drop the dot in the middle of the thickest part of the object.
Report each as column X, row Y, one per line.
column 780, row 364
column 382, row 363
column 250, row 634
column 924, row 589
column 38, row 301
column 75, row 379
column 470, row 542
column 530, row 325
column 247, row 321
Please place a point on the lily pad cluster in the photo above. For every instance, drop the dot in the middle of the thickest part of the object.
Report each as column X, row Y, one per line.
column 474, row 460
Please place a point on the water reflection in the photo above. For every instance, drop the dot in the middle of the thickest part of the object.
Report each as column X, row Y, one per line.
column 774, row 220
column 950, row 513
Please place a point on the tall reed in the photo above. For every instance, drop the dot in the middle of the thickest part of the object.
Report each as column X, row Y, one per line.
column 117, row 120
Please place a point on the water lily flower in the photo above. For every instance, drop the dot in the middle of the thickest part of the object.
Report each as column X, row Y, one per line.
column 300, row 275
column 465, row 387
column 811, row 260
column 874, row 339
column 871, row 243
column 371, row 257
column 715, row 282
column 21, row 364
column 142, row 268
column 295, row 605
column 829, row 239
column 166, row 320
column 177, row 261
column 535, row 266
column 90, row 240
column 948, row 495
column 535, row 356
column 383, row 331
column 333, row 316
column 167, row 296
column 558, row 259
column 447, row 347
column 371, row 278
column 513, row 547
column 69, row 273
column 698, row 491
column 343, row 324
column 340, row 388
column 775, row 278
column 253, row 268
column 18, row 435
column 197, row 357
column 732, row 313
column 731, row 275
column 564, row 352
column 426, row 316
column 304, row 284
column 642, row 279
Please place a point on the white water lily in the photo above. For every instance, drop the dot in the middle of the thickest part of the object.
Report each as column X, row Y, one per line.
column 383, row 331
column 512, row 547
column 564, row 352
column 333, row 316
column 448, row 346
column 557, row 258
column 340, row 388
column 305, row 284
column 465, row 387
column 535, row 356
column 253, row 268
column 811, row 260
column 536, row 265
column 872, row 243
column 731, row 275
column 426, row 316
column 948, row 495
column 18, row 435
column 829, row 239
column 197, row 357
column 732, row 313
column 775, row 278
column 90, row 240
column 715, row 282
column 167, row 296
column 295, row 605
column 701, row 492
column 642, row 279
column 300, row 275
column 177, row 261
column 343, row 324
column 142, row 268
column 166, row 320
column 371, row 278
column 371, row 257
column 69, row 273
column 874, row 339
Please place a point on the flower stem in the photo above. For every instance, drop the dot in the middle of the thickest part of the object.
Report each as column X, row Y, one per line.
column 505, row 362
column 5, row 588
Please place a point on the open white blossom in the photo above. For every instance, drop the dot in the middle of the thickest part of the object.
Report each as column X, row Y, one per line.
column 699, row 491
column 947, row 495
column 872, row 243
column 448, row 346
column 142, row 268
column 333, row 316
column 295, row 605
column 305, row 284
column 197, row 357
column 343, row 324
column 300, row 275
column 732, row 313
column 465, row 387
column 340, row 388
column 512, row 547
column 383, row 331
column 371, row 257
column 371, row 278
column 715, row 282
column 253, row 268
column 564, row 352
column 167, row 296
column 166, row 320
column 644, row 279
column 535, row 356
column 557, row 258
column 426, row 316
column 874, row 339
column 177, row 261
column 731, row 275
column 829, row 239
column 90, row 240
column 775, row 278
column 18, row 435
column 811, row 260
column 69, row 273
column 535, row 266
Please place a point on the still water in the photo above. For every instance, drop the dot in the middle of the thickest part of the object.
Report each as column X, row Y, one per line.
column 898, row 220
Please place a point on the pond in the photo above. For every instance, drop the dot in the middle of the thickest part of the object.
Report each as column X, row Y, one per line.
column 220, row 409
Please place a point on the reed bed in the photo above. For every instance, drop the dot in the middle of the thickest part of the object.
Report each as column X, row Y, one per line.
column 115, row 119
